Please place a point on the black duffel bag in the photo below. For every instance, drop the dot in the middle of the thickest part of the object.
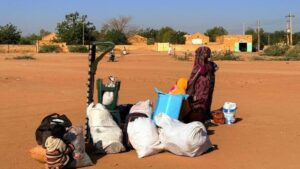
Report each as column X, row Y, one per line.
column 44, row 129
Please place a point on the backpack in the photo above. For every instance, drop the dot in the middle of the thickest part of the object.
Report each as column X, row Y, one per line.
column 44, row 129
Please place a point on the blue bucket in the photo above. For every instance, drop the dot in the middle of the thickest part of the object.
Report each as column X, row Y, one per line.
column 168, row 104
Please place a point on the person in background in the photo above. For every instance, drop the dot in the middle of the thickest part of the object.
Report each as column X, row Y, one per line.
column 59, row 154
column 124, row 51
column 111, row 56
column 170, row 51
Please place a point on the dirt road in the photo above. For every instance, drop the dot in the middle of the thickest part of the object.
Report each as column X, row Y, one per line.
column 267, row 95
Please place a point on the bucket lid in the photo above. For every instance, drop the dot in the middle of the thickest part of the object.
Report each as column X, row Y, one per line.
column 229, row 105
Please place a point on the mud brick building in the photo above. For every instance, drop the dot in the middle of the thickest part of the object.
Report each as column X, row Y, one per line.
column 137, row 40
column 196, row 39
column 236, row 43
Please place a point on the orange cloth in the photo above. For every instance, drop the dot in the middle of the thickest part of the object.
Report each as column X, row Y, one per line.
column 180, row 86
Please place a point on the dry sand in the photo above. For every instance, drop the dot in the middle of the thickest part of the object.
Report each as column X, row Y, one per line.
column 267, row 94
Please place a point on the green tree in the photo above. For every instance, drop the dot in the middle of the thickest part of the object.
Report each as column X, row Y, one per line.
column 116, row 36
column 214, row 32
column 296, row 38
column 29, row 40
column 150, row 34
column 71, row 29
column 278, row 37
column 178, row 37
column 9, row 34
column 43, row 33
column 165, row 34
column 263, row 37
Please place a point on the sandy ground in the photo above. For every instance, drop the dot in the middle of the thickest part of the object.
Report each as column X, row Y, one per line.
column 267, row 94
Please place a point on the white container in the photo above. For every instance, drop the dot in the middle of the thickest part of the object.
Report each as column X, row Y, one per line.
column 229, row 110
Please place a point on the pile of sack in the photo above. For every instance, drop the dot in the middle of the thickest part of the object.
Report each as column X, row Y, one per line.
column 142, row 134
column 139, row 132
column 148, row 138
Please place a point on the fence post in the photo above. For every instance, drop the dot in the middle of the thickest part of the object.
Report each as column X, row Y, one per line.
column 37, row 46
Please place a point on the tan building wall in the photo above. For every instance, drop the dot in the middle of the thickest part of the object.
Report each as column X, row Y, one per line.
column 49, row 37
column 137, row 40
column 196, row 38
column 192, row 48
column 48, row 40
column 135, row 47
column 229, row 41
column 18, row 48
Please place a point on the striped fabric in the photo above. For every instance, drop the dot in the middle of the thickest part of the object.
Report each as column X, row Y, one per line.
column 58, row 153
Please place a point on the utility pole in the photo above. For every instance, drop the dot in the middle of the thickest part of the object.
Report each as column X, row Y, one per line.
column 82, row 31
column 258, row 36
column 287, row 34
column 243, row 28
column 290, row 16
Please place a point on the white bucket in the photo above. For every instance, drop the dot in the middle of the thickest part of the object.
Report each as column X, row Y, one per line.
column 229, row 110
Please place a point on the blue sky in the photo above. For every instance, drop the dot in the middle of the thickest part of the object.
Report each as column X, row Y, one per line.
column 186, row 15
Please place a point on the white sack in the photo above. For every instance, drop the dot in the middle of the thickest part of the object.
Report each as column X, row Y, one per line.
column 182, row 139
column 143, row 136
column 144, row 107
column 104, row 130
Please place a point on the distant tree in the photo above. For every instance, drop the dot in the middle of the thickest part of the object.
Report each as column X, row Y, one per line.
column 263, row 37
column 119, row 24
column 296, row 38
column 9, row 34
column 214, row 32
column 116, row 36
column 29, row 40
column 43, row 33
column 71, row 29
column 150, row 34
column 278, row 37
column 178, row 37
column 165, row 34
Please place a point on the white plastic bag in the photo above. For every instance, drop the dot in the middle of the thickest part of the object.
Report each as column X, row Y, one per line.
column 107, row 98
column 182, row 139
column 106, row 134
column 75, row 136
column 143, row 136
column 144, row 107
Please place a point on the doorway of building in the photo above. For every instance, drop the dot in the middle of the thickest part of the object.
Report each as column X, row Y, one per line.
column 243, row 47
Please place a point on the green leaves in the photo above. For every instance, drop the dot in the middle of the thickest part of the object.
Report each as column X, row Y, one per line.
column 214, row 32
column 9, row 34
column 75, row 29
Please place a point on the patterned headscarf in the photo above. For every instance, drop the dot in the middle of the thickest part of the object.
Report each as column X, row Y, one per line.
column 201, row 58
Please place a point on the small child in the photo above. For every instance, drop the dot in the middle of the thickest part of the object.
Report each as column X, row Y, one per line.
column 59, row 154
